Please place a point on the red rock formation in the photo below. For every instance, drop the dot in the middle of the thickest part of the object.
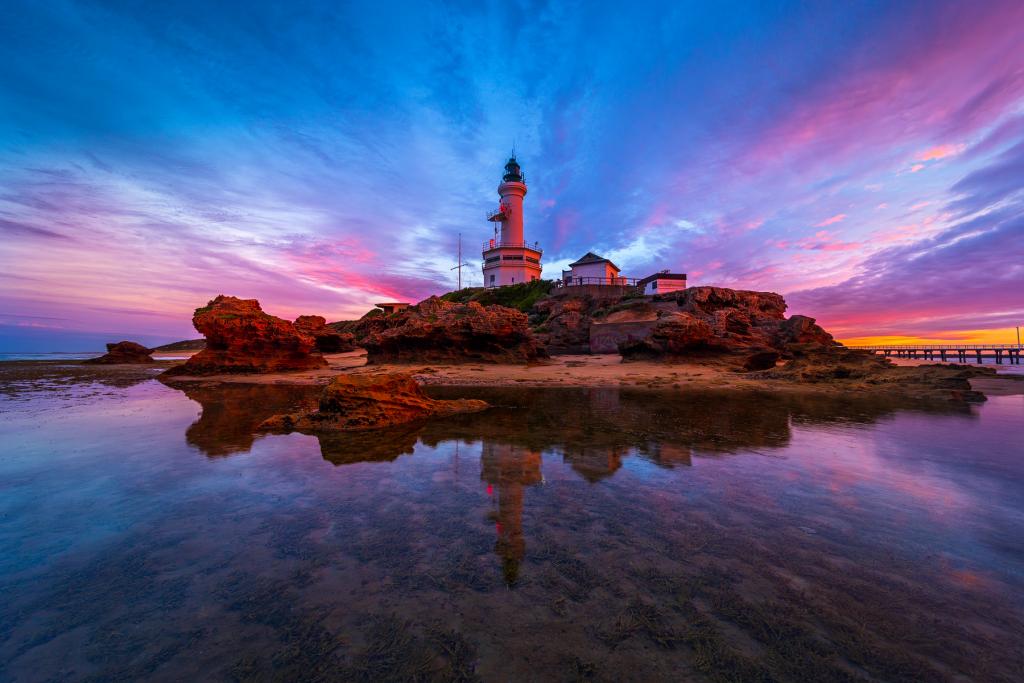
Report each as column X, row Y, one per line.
column 123, row 352
column 440, row 331
column 714, row 321
column 800, row 329
column 327, row 339
column 241, row 338
column 563, row 320
column 361, row 402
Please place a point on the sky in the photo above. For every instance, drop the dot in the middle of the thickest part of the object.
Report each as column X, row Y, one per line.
column 864, row 159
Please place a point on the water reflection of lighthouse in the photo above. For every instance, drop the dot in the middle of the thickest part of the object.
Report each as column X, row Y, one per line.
column 508, row 470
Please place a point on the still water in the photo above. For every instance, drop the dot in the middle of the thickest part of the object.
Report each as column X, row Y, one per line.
column 146, row 533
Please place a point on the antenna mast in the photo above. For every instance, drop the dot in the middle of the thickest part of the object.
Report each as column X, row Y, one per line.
column 460, row 262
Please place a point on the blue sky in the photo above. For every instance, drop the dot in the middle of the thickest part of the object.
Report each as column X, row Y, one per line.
column 321, row 157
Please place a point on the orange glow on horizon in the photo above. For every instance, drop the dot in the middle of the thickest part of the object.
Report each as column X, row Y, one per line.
column 1006, row 335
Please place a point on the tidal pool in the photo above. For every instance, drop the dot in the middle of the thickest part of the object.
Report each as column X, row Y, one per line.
column 603, row 534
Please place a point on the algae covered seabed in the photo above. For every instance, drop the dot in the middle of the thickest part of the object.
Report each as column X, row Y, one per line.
column 603, row 533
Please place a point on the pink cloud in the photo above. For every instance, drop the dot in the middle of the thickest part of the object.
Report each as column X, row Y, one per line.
column 940, row 152
column 838, row 218
column 823, row 240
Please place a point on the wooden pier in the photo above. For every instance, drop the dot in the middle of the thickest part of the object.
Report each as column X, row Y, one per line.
column 948, row 352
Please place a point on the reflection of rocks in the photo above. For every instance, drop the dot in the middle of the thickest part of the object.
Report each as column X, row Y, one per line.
column 124, row 352
column 594, row 464
column 241, row 338
column 595, row 428
column 231, row 412
column 668, row 455
column 361, row 402
column 384, row 445
column 509, row 470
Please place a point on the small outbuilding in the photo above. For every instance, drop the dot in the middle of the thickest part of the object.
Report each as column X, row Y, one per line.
column 592, row 269
column 662, row 283
column 392, row 306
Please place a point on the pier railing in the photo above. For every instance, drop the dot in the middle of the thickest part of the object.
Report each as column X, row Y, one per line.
column 935, row 347
column 1012, row 352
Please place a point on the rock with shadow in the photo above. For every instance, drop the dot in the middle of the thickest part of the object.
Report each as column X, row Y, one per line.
column 123, row 353
column 241, row 338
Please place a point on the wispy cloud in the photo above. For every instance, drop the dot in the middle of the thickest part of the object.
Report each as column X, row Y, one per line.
column 838, row 218
column 323, row 160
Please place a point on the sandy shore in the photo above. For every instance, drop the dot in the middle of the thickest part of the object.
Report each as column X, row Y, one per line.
column 567, row 371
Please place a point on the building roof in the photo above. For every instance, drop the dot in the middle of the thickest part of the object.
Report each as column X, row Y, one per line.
column 591, row 257
column 664, row 275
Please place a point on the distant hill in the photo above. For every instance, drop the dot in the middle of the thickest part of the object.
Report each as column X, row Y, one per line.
column 185, row 345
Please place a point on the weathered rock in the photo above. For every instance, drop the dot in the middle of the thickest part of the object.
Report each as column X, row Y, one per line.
column 741, row 322
column 674, row 334
column 761, row 360
column 799, row 329
column 327, row 339
column 361, row 402
column 123, row 352
column 241, row 338
column 852, row 369
column 710, row 300
column 440, row 331
column 734, row 325
column 562, row 322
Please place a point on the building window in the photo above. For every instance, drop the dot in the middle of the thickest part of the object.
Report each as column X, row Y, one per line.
column 492, row 279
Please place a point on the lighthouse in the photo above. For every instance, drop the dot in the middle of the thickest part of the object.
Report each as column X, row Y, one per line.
column 508, row 258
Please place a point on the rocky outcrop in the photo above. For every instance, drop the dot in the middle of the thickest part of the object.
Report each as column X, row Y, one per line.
column 362, row 402
column 814, row 363
column 749, row 328
column 799, row 329
column 123, row 352
column 327, row 339
column 696, row 321
column 562, row 322
column 444, row 332
column 241, row 338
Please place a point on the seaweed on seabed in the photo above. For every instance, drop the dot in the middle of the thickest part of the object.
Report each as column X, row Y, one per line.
column 395, row 652
column 710, row 653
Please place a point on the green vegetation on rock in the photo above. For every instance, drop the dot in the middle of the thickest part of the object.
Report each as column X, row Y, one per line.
column 522, row 297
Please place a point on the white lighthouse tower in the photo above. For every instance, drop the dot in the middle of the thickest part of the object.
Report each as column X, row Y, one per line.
column 508, row 259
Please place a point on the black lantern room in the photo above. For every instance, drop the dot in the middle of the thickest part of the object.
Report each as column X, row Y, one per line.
column 513, row 174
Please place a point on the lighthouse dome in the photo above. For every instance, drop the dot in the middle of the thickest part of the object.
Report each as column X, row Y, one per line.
column 513, row 173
